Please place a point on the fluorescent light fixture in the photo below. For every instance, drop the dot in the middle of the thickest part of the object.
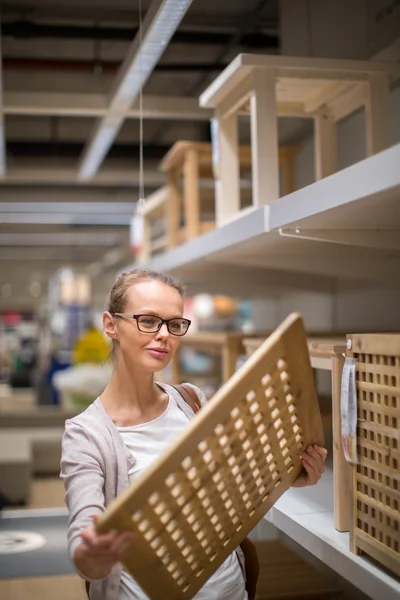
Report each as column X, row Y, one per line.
column 64, row 219
column 122, row 208
column 67, row 213
column 161, row 22
column 154, row 43
column 99, row 146
column 59, row 239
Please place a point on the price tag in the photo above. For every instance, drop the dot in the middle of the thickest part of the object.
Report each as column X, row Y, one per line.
column 136, row 233
column 348, row 410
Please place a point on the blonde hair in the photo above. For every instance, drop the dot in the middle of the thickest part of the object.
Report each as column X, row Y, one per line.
column 118, row 293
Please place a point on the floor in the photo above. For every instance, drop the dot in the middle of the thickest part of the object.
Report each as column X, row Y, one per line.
column 67, row 587
column 47, row 492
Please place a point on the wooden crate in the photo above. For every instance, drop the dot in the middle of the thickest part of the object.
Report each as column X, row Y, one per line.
column 186, row 199
column 268, row 87
column 326, row 353
column 193, row 507
column 376, row 497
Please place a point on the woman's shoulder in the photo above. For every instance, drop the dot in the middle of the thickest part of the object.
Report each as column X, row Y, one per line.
column 90, row 413
column 92, row 423
column 175, row 389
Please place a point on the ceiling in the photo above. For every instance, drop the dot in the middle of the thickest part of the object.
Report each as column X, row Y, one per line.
column 60, row 66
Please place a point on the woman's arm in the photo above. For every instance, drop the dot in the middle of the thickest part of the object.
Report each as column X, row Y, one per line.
column 94, row 555
column 98, row 553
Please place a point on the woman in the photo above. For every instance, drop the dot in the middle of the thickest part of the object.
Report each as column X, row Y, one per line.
column 131, row 424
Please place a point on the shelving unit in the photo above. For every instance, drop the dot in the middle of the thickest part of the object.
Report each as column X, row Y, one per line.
column 346, row 226
column 268, row 87
column 306, row 515
column 186, row 204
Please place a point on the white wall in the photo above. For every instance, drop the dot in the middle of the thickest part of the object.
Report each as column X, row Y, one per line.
column 341, row 29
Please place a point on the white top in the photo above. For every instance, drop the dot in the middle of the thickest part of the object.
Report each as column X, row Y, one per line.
column 147, row 442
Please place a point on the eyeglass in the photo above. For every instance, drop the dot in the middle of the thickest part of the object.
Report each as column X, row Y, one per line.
column 152, row 324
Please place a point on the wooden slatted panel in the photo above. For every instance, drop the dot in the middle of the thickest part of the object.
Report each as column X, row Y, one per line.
column 194, row 506
column 376, row 522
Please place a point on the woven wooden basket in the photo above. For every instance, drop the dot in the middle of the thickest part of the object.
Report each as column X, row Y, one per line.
column 195, row 505
column 375, row 529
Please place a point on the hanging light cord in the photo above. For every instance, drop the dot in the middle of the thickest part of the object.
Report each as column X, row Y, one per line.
column 141, row 167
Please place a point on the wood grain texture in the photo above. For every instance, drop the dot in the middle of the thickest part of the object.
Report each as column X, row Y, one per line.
column 376, row 495
column 194, row 506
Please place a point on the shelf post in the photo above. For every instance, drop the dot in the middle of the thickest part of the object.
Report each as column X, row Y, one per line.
column 173, row 212
column 230, row 352
column 326, row 148
column 377, row 114
column 226, row 168
column 191, row 187
column 264, row 138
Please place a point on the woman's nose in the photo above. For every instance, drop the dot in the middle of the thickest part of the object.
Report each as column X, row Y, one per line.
column 163, row 331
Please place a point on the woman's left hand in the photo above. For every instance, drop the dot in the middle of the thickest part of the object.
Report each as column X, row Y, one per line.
column 312, row 459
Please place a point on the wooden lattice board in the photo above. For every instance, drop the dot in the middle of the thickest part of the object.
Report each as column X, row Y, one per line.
column 376, row 518
column 195, row 505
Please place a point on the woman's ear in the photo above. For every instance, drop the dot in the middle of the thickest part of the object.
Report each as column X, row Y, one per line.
column 109, row 326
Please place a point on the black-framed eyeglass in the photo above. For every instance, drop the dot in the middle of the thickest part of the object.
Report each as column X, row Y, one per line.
column 152, row 323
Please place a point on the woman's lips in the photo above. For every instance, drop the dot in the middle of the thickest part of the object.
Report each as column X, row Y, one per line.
column 158, row 353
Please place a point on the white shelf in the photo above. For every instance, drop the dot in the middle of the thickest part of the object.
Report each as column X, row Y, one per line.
column 238, row 259
column 363, row 197
column 357, row 209
column 306, row 516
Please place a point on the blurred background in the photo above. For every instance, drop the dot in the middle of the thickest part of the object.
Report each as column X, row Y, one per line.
column 70, row 221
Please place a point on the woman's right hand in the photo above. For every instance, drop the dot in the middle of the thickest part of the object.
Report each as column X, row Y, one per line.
column 99, row 552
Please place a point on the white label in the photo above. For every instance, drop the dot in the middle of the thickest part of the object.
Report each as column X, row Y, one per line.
column 136, row 233
column 348, row 410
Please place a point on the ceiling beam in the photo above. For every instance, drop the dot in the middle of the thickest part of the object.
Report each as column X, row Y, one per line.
column 100, row 66
column 28, row 29
column 66, row 238
column 70, row 219
column 160, row 23
column 105, row 178
column 95, row 105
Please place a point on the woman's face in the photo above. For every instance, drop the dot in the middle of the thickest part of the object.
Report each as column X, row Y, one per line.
column 149, row 351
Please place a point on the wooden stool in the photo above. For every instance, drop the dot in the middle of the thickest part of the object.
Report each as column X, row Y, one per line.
column 187, row 199
column 268, row 87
